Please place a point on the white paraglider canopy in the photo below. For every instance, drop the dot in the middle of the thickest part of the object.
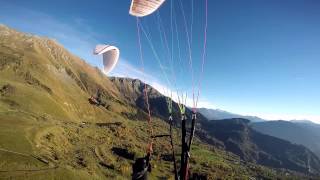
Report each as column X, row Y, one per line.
column 142, row 8
column 110, row 56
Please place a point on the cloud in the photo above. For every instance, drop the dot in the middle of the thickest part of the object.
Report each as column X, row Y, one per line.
column 125, row 69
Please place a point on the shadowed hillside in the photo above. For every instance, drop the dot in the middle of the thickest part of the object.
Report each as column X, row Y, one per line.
column 240, row 139
column 233, row 135
column 304, row 133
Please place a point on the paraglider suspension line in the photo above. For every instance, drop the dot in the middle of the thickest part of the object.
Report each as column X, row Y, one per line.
column 149, row 148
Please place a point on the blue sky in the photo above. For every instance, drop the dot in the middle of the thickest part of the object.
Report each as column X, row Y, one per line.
column 262, row 56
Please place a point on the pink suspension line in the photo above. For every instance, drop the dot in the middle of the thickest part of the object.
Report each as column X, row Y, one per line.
column 163, row 37
column 149, row 149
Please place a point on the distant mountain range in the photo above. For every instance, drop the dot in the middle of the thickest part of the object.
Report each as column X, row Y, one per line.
column 250, row 145
column 300, row 132
column 217, row 114
column 303, row 132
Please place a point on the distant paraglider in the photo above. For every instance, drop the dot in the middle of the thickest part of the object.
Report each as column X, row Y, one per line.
column 110, row 56
column 140, row 8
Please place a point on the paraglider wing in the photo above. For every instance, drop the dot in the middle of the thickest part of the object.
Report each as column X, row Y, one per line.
column 110, row 56
column 142, row 8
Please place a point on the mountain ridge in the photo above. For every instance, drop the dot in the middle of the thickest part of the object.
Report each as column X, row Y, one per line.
column 309, row 134
column 217, row 114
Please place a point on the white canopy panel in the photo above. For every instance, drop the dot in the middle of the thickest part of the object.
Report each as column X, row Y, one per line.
column 142, row 8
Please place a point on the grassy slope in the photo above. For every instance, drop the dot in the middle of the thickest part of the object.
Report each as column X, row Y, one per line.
column 42, row 111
